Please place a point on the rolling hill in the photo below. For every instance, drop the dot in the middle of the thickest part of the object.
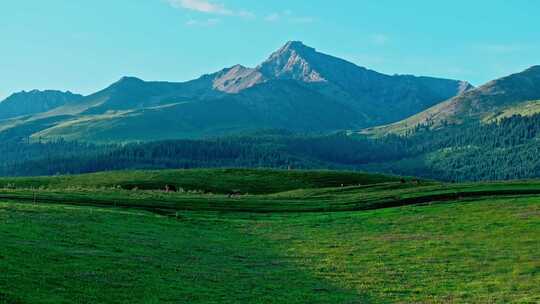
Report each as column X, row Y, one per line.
column 297, row 88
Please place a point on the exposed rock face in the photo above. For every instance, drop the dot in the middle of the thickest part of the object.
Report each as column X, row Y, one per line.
column 236, row 79
column 291, row 62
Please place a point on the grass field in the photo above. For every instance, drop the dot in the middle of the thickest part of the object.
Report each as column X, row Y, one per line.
column 201, row 180
column 385, row 241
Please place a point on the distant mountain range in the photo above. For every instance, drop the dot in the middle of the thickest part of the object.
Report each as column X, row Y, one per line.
column 296, row 89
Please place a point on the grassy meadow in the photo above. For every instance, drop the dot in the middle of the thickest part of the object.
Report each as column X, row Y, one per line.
column 219, row 181
column 376, row 239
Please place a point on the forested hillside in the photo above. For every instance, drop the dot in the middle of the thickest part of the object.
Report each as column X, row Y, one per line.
column 506, row 149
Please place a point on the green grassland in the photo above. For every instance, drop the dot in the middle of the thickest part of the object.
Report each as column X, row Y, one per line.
column 201, row 180
column 528, row 108
column 302, row 238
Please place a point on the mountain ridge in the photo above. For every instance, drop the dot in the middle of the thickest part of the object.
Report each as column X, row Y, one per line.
column 296, row 88
column 480, row 104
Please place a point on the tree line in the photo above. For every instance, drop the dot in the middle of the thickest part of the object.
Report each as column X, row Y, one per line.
column 506, row 149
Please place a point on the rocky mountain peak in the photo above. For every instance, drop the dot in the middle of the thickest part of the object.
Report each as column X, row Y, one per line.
column 297, row 46
column 292, row 61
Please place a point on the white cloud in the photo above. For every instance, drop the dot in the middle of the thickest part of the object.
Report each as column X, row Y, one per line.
column 202, row 6
column 210, row 7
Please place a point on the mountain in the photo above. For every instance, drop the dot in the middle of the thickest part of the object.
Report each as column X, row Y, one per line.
column 297, row 88
column 377, row 97
column 278, row 104
column 516, row 94
column 387, row 97
column 33, row 102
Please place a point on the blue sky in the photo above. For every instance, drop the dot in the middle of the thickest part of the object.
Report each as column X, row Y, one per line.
column 83, row 46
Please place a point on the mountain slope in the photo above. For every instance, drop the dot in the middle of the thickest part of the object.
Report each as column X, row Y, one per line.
column 275, row 104
column 33, row 102
column 382, row 98
column 481, row 104
column 296, row 88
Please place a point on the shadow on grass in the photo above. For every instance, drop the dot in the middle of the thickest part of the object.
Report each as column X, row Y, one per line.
column 54, row 254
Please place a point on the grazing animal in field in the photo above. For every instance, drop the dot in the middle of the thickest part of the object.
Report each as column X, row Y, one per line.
column 170, row 188
column 234, row 193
